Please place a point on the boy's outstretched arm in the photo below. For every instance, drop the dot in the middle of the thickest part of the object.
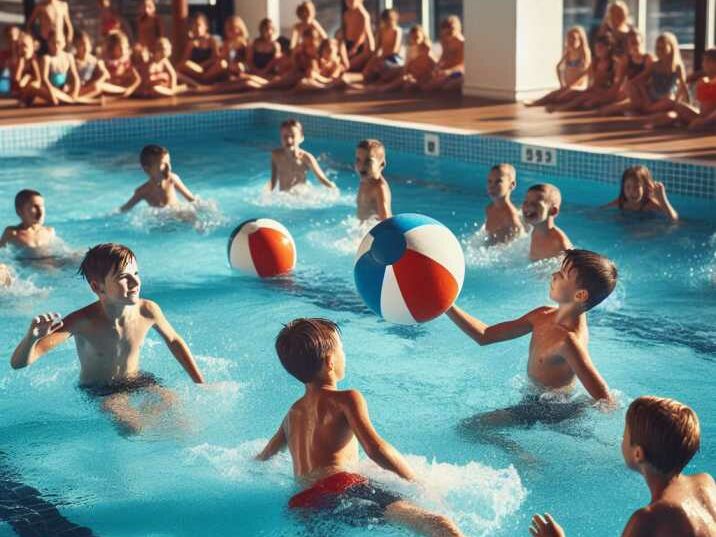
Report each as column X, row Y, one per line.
column 176, row 344
column 545, row 526
column 276, row 444
column 578, row 359
column 45, row 333
column 380, row 451
column 136, row 198
column 183, row 190
column 484, row 334
column 318, row 172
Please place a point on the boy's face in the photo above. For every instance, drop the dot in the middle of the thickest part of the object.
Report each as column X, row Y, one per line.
column 338, row 360
column 563, row 288
column 368, row 165
column 121, row 286
column 633, row 190
column 499, row 185
column 629, row 452
column 537, row 208
column 291, row 137
column 159, row 168
column 33, row 211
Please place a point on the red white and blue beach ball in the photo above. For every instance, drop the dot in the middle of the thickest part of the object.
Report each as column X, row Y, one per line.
column 409, row 269
column 262, row 247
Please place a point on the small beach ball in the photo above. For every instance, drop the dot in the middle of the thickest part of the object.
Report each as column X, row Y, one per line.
column 262, row 247
column 409, row 269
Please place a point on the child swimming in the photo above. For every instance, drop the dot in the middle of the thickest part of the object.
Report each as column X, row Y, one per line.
column 660, row 438
column 374, row 198
column 162, row 184
column 640, row 193
column 502, row 219
column 31, row 235
column 290, row 163
column 558, row 351
column 322, row 431
column 109, row 335
column 540, row 209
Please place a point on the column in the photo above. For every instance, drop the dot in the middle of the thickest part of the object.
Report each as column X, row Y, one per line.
column 180, row 14
column 512, row 47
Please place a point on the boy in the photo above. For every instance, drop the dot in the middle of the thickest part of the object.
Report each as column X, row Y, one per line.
column 502, row 220
column 322, row 431
column 357, row 34
column 660, row 438
column 290, row 163
column 374, row 198
column 558, row 349
column 30, row 235
column 54, row 16
column 540, row 208
column 109, row 334
column 160, row 189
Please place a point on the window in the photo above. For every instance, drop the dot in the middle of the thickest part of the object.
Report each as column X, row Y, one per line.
column 590, row 13
column 411, row 12
column 329, row 13
column 443, row 9
column 676, row 16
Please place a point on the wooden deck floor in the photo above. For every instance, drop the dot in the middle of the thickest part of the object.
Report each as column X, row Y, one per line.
column 508, row 120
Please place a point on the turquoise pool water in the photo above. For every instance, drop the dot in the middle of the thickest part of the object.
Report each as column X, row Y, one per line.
column 193, row 474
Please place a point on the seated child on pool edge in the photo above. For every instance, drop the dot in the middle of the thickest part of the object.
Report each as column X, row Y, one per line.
column 502, row 219
column 558, row 349
column 660, row 438
column 160, row 188
column 290, row 163
column 109, row 334
column 322, row 430
column 30, row 234
column 540, row 209
column 374, row 198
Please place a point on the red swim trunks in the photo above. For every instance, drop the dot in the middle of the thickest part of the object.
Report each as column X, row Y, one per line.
column 322, row 491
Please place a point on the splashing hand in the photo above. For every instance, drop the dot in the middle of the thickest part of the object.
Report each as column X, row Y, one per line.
column 545, row 527
column 44, row 325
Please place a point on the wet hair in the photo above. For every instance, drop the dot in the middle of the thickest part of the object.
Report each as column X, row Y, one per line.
column 285, row 44
column 151, row 153
column 103, row 259
column 550, row 192
column 506, row 169
column 306, row 9
column 710, row 54
column 668, row 431
column 292, row 124
column 373, row 146
column 22, row 197
column 387, row 14
column 643, row 175
column 594, row 273
column 303, row 344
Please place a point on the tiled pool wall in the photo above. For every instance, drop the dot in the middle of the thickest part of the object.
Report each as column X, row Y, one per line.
column 688, row 179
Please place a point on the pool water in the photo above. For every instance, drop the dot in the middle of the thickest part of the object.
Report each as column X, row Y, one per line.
column 193, row 473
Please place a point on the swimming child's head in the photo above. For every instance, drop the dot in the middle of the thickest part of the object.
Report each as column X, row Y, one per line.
column 450, row 26
column 116, row 45
column 199, row 25
column 306, row 11
column 112, row 272
column 291, row 133
column 267, row 30
column 370, row 159
column 311, row 350
column 149, row 8
column 155, row 161
column 30, row 207
column 501, row 181
column 235, row 27
column 82, row 43
column 710, row 62
column 162, row 49
column 660, row 433
column 637, row 186
column 542, row 202
column 389, row 18
column 585, row 278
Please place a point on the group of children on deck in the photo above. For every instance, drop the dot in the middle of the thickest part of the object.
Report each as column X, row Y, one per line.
column 616, row 76
column 54, row 64
column 322, row 430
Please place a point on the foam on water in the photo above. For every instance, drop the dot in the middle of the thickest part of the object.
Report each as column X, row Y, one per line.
column 343, row 238
column 21, row 287
column 478, row 253
column 202, row 215
column 306, row 196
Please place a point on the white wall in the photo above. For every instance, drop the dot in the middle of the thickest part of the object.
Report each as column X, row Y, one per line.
column 252, row 11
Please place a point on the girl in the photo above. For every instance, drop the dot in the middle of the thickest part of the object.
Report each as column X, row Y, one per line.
column 26, row 78
column 159, row 79
column 149, row 26
column 306, row 13
column 123, row 77
column 387, row 60
column 91, row 70
column 233, row 52
column 605, row 77
column 634, row 63
column 332, row 65
column 58, row 66
column 264, row 50
column 572, row 69
column 201, row 50
column 616, row 26
column 640, row 193
column 450, row 69
column 8, row 58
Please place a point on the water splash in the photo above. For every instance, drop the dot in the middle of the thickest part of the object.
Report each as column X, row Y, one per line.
column 343, row 238
column 306, row 196
column 480, row 253
column 202, row 215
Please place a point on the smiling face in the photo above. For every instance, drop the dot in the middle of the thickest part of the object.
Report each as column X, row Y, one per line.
column 291, row 137
column 368, row 165
column 121, row 286
column 634, row 190
column 499, row 184
column 537, row 208
column 32, row 213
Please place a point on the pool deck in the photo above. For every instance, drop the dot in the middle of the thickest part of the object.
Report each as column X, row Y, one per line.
column 616, row 134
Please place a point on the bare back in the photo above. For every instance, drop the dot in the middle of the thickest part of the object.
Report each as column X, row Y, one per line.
column 502, row 223
column 320, row 439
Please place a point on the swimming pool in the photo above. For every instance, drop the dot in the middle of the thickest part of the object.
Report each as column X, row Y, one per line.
column 194, row 475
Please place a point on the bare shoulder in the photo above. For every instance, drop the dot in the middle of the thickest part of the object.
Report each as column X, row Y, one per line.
column 82, row 318
column 307, row 157
column 350, row 400
column 383, row 184
column 149, row 309
column 10, row 231
column 562, row 237
column 540, row 313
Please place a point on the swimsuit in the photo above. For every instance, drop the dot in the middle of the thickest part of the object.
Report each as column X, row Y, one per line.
column 662, row 85
column 349, row 46
column 126, row 386
column 634, row 69
column 349, row 496
column 575, row 64
column 58, row 79
column 5, row 82
column 262, row 59
column 85, row 71
column 394, row 61
column 706, row 92
column 200, row 54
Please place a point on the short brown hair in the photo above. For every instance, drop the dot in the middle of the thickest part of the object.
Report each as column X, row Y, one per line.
column 505, row 168
column 595, row 273
column 292, row 124
column 303, row 344
column 551, row 193
column 103, row 259
column 151, row 153
column 668, row 431
column 22, row 197
column 372, row 145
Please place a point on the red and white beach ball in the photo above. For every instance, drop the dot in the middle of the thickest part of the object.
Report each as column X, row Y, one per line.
column 262, row 247
column 409, row 269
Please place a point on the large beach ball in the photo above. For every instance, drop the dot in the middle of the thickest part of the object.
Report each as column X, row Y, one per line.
column 409, row 269
column 262, row 247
